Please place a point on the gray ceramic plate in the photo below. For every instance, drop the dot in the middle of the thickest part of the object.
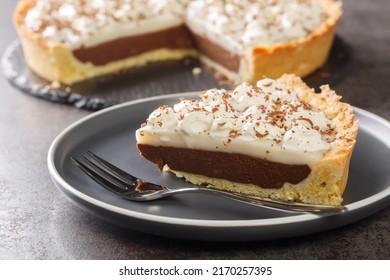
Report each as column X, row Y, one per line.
column 110, row 133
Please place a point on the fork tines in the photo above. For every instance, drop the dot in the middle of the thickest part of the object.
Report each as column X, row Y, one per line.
column 105, row 174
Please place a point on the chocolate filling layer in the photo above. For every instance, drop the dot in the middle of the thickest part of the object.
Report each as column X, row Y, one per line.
column 229, row 166
column 216, row 53
column 172, row 38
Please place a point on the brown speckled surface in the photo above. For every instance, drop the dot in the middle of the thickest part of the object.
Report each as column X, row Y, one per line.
column 37, row 222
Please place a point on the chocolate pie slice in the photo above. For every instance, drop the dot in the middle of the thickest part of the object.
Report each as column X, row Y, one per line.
column 276, row 139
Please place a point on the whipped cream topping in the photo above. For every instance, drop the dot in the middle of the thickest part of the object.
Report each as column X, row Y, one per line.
column 235, row 24
column 77, row 23
column 242, row 24
column 266, row 121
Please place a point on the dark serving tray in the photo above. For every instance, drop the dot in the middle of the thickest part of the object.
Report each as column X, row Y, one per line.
column 154, row 79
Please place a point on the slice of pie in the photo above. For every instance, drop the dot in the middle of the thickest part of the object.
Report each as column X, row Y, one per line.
column 276, row 139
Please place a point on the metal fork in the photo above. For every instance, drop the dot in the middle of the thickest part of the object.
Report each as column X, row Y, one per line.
column 132, row 188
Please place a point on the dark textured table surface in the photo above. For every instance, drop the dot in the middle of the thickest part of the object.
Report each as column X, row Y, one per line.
column 37, row 222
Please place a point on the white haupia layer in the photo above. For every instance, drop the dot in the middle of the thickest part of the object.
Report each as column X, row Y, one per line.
column 267, row 121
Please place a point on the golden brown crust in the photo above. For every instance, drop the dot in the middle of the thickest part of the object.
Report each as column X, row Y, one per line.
column 299, row 57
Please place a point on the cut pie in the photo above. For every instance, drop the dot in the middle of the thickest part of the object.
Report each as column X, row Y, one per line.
column 73, row 40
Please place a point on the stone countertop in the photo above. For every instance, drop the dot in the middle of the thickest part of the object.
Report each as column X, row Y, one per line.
column 37, row 222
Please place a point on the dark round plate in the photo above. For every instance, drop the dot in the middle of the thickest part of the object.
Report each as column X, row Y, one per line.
column 154, row 79
column 110, row 133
